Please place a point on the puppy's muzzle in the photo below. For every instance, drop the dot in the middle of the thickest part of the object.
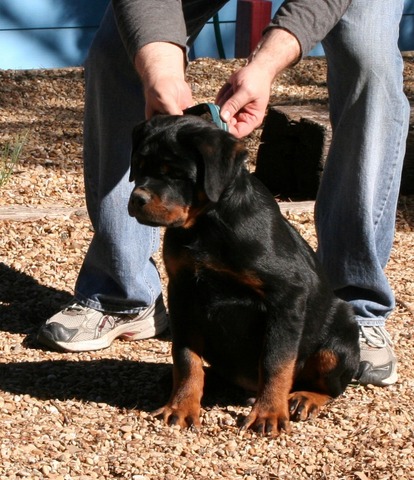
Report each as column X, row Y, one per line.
column 140, row 197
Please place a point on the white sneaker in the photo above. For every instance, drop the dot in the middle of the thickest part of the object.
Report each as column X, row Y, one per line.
column 378, row 365
column 77, row 328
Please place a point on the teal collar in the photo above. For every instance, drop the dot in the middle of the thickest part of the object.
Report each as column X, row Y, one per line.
column 209, row 111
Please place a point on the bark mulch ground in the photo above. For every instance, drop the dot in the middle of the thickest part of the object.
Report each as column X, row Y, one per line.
column 87, row 416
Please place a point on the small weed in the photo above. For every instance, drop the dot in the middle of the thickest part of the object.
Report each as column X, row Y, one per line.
column 9, row 157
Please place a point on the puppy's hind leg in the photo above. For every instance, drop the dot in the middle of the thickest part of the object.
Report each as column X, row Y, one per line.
column 326, row 374
column 316, row 385
column 306, row 405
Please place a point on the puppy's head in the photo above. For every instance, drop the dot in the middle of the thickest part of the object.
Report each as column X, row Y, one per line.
column 180, row 166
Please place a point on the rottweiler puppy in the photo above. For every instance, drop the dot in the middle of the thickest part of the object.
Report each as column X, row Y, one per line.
column 246, row 293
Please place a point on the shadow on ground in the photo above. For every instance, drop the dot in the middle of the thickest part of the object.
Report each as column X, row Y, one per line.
column 120, row 383
column 25, row 303
column 406, row 210
column 24, row 306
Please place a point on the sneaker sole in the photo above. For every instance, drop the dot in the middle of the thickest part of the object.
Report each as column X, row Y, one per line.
column 383, row 383
column 387, row 381
column 146, row 328
column 366, row 379
column 390, row 380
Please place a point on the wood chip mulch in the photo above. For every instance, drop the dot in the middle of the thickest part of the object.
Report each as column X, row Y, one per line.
column 87, row 416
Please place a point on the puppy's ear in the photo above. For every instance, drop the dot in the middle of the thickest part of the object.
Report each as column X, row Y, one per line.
column 137, row 136
column 223, row 155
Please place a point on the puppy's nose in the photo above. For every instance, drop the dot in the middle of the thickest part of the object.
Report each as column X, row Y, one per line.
column 139, row 197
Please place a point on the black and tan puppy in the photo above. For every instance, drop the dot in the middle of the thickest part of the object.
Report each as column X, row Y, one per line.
column 246, row 293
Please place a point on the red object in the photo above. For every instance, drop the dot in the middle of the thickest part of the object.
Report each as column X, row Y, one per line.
column 252, row 17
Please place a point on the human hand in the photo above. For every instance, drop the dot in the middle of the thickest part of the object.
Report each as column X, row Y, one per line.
column 161, row 66
column 244, row 99
column 167, row 95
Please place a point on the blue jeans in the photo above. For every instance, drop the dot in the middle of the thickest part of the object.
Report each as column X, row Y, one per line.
column 118, row 274
column 357, row 199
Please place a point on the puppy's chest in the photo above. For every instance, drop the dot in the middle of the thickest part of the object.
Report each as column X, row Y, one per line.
column 206, row 269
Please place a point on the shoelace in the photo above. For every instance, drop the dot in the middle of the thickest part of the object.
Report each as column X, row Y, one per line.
column 75, row 307
column 375, row 336
column 120, row 318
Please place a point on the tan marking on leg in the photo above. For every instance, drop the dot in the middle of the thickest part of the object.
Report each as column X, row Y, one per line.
column 270, row 412
column 316, row 369
column 183, row 408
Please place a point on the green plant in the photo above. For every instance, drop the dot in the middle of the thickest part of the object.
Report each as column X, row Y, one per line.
column 9, row 157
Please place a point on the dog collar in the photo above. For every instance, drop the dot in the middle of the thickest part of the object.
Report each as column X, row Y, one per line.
column 209, row 111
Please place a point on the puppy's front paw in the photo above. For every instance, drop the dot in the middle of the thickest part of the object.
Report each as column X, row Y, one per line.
column 184, row 416
column 267, row 421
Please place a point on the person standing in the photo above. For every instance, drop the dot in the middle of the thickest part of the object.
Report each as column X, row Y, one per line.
column 136, row 69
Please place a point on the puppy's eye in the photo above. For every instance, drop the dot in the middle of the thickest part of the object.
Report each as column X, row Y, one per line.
column 138, row 163
column 177, row 175
column 171, row 171
column 165, row 169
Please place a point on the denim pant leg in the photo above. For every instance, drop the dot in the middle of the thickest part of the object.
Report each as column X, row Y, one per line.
column 118, row 274
column 357, row 199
